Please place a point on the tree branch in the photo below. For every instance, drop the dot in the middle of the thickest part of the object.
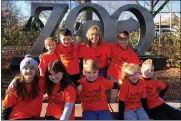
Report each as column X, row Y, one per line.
column 155, row 3
column 136, row 2
column 160, row 8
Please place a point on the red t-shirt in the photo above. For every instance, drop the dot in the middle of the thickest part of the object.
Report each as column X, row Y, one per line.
column 93, row 95
column 131, row 94
column 69, row 57
column 99, row 54
column 45, row 59
column 153, row 98
column 26, row 108
column 118, row 57
column 57, row 101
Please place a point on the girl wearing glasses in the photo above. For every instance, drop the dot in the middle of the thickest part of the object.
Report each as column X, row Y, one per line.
column 132, row 94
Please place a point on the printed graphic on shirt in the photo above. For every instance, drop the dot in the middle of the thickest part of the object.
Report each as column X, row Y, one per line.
column 99, row 54
column 67, row 54
column 153, row 98
column 93, row 96
column 131, row 94
column 118, row 57
column 69, row 57
column 133, row 97
column 57, row 101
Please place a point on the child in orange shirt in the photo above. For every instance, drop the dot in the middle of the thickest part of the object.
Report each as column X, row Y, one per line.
column 24, row 100
column 49, row 56
column 68, row 54
column 158, row 109
column 94, row 48
column 120, row 53
column 132, row 94
column 92, row 93
column 61, row 93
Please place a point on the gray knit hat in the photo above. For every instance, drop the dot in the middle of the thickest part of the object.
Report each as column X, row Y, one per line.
column 28, row 60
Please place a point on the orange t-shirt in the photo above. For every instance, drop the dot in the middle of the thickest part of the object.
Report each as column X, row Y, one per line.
column 26, row 108
column 45, row 59
column 93, row 95
column 57, row 101
column 131, row 94
column 153, row 98
column 69, row 57
column 118, row 57
column 99, row 54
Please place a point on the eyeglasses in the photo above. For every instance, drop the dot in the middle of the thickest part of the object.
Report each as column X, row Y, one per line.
column 123, row 39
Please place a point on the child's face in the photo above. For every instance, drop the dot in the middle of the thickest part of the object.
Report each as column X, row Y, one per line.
column 55, row 77
column 94, row 37
column 133, row 77
column 50, row 46
column 66, row 40
column 123, row 40
column 29, row 73
column 147, row 71
column 91, row 75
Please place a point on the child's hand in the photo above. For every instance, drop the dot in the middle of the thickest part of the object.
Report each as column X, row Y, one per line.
column 79, row 88
column 45, row 96
column 75, row 43
column 13, row 84
column 120, row 82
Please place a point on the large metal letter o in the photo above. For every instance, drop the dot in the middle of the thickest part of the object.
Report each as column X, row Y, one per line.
column 99, row 10
column 146, row 25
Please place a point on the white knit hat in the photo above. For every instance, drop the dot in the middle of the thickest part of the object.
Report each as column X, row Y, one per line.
column 28, row 60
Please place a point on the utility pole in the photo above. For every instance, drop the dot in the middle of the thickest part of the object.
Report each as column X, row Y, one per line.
column 170, row 18
column 70, row 5
column 160, row 28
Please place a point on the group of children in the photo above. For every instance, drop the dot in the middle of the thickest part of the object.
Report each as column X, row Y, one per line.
column 59, row 81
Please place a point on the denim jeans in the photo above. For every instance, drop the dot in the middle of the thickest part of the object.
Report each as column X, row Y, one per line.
column 137, row 114
column 103, row 72
column 97, row 115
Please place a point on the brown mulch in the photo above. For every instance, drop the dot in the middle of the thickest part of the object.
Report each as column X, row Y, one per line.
column 170, row 76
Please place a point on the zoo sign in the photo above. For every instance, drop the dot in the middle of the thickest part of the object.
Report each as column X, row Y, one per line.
column 108, row 23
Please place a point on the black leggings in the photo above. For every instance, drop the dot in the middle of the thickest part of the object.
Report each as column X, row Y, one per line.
column 165, row 112
column 31, row 118
column 50, row 118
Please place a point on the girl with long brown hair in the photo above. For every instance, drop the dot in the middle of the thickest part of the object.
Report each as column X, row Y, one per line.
column 61, row 93
column 26, row 93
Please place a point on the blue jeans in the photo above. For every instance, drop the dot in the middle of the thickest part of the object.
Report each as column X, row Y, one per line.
column 103, row 72
column 137, row 114
column 97, row 115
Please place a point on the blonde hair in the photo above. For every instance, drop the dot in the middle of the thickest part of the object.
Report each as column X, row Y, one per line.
column 49, row 39
column 128, row 68
column 148, row 62
column 90, row 30
column 90, row 64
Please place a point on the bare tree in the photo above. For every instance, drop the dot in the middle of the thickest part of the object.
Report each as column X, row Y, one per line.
column 86, row 15
column 153, row 4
